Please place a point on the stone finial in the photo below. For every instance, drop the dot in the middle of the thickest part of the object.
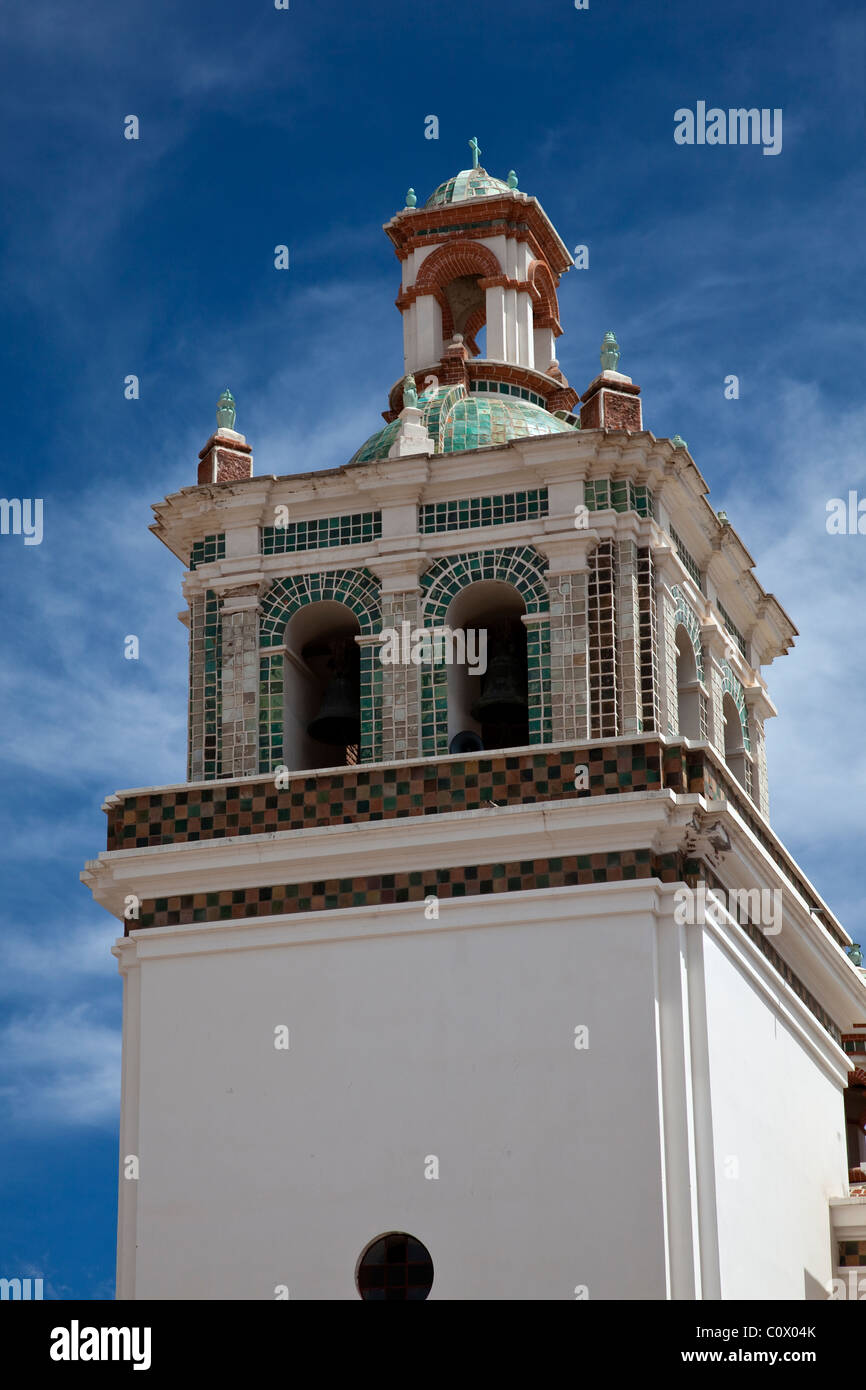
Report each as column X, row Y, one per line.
column 609, row 352
column 678, row 442
column 855, row 954
column 226, row 412
column 512, row 179
column 410, row 391
column 411, row 199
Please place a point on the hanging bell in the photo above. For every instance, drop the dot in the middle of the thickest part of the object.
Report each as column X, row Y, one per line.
column 467, row 741
column 338, row 720
column 503, row 692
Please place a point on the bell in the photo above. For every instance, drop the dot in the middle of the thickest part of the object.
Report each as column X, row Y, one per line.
column 338, row 721
column 467, row 741
column 503, row 693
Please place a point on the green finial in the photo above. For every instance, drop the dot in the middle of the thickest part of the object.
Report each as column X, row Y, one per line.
column 476, row 151
column 609, row 352
column 226, row 413
column 678, row 442
column 410, row 391
column 723, row 518
column 411, row 200
column 512, row 179
column 855, row 954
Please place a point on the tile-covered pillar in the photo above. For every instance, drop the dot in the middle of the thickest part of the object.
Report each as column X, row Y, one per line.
column 398, row 684
column 714, row 646
column 760, row 708
column 628, row 637
column 760, row 793
column 401, row 683
column 204, row 708
column 239, row 681
column 568, row 589
column 665, row 576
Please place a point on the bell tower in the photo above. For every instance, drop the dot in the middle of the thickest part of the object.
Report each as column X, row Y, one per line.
column 498, row 272
column 467, row 959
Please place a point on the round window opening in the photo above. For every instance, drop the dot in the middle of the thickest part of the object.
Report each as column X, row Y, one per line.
column 395, row 1266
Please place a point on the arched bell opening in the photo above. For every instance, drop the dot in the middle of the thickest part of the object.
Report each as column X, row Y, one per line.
column 494, row 703
column 322, row 687
column 735, row 747
column 466, row 312
column 688, row 686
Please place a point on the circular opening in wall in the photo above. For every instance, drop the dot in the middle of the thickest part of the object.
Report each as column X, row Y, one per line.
column 395, row 1267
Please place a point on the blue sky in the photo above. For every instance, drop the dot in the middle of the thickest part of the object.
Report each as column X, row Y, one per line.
column 155, row 257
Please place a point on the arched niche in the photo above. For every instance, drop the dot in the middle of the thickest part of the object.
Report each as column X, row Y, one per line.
column 688, row 685
column 317, row 636
column 735, row 747
column 455, row 276
column 493, row 608
column 521, row 568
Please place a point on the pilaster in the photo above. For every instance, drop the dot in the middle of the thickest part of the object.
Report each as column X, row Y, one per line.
column 204, row 709
column 759, row 707
column 568, row 588
column 714, row 645
column 666, row 639
column 239, row 681
column 399, row 682
column 628, row 638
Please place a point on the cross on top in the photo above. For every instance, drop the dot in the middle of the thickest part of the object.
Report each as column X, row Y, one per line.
column 476, row 150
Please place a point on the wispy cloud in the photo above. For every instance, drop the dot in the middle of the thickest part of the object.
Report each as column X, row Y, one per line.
column 59, row 1068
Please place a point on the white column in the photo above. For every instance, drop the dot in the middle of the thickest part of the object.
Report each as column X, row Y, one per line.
column 428, row 318
column 511, row 350
column 544, row 348
column 525, row 342
column 495, row 312
column 410, row 338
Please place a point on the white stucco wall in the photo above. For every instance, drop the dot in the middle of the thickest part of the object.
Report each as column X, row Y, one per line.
column 261, row 1167
column 778, row 1126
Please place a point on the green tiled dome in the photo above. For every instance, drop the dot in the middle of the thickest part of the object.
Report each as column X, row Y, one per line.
column 469, row 183
column 459, row 421
column 479, row 420
column 378, row 444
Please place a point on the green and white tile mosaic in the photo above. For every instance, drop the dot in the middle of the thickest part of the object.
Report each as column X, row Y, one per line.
column 319, row 532
column 521, row 567
column 205, row 688
column 359, row 591
column 731, row 686
column 505, row 388
column 619, row 495
column 686, row 617
column 208, row 549
column 463, row 513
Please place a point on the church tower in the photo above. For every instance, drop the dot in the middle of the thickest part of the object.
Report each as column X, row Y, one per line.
column 466, row 963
